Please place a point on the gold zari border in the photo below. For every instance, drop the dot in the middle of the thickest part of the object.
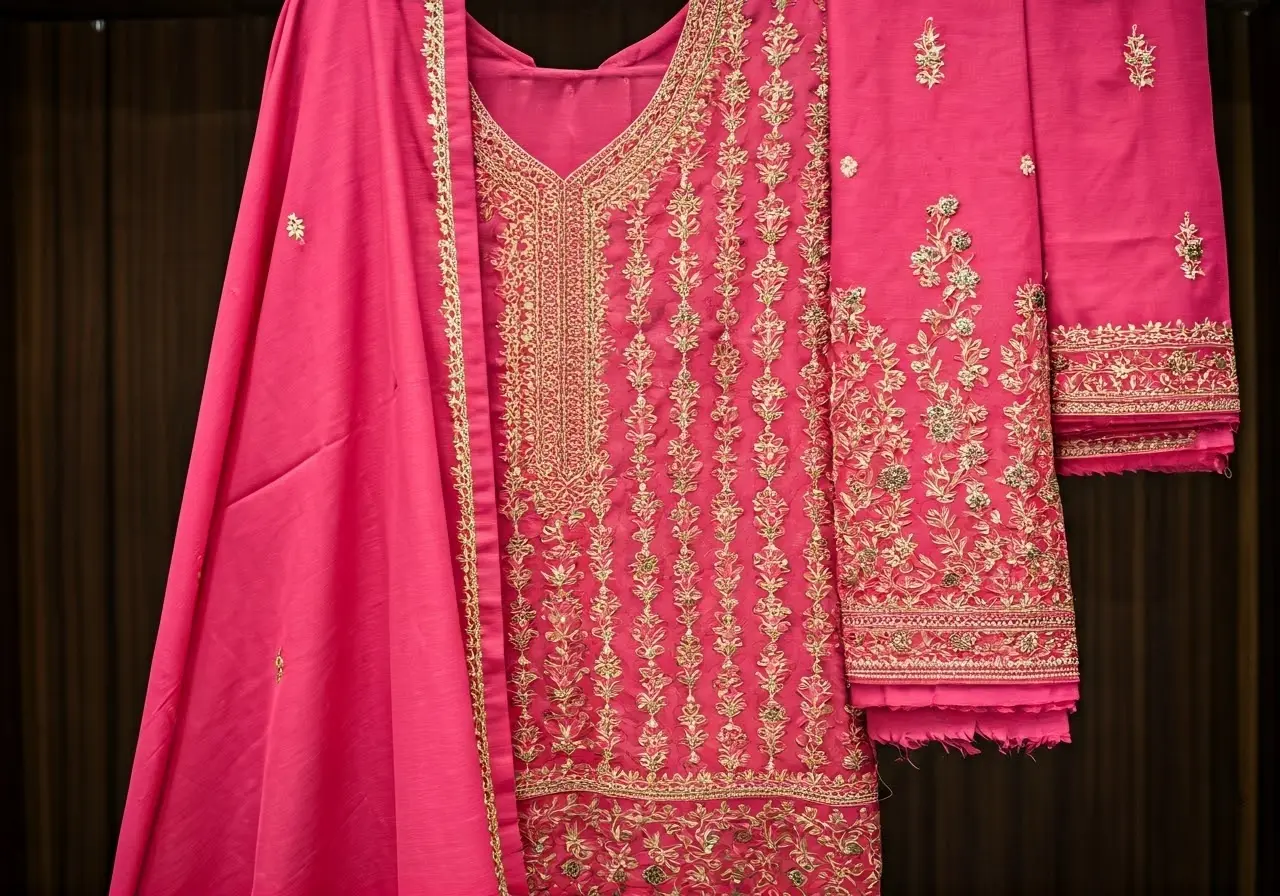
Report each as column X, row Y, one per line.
column 433, row 51
column 1154, row 368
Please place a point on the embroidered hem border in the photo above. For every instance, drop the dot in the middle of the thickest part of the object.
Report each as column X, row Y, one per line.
column 746, row 784
column 1156, row 368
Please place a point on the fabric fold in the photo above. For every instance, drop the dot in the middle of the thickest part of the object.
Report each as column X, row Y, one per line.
column 1144, row 370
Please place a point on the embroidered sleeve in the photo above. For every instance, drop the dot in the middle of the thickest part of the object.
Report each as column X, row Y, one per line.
column 1144, row 373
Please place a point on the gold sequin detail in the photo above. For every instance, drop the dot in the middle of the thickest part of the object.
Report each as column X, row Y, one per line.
column 1027, row 165
column 279, row 666
column 1140, row 58
column 929, row 56
column 848, row 166
column 1190, row 248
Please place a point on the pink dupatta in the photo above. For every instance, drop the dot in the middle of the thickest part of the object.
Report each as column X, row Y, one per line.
column 328, row 658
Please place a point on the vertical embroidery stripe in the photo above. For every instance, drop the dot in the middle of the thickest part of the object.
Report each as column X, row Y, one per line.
column 815, row 688
column 685, row 459
column 773, row 158
column 648, row 631
column 433, row 51
column 726, row 360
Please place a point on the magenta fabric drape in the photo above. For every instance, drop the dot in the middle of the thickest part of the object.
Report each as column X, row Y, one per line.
column 309, row 724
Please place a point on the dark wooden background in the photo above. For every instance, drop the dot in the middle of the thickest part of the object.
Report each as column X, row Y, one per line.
column 123, row 148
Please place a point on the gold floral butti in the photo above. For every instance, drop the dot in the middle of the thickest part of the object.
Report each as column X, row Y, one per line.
column 952, row 549
column 929, row 56
column 1190, row 248
column 1156, row 368
column 1140, row 59
column 680, row 720
column 1027, row 166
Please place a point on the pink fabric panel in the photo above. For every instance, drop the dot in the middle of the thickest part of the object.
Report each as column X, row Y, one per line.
column 1118, row 165
column 925, row 662
column 317, row 521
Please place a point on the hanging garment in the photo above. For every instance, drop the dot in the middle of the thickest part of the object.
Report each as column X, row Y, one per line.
column 593, row 465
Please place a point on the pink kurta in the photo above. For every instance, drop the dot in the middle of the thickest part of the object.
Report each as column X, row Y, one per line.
column 594, row 464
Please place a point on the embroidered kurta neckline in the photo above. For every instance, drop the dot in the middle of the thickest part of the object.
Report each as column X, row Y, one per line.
column 626, row 158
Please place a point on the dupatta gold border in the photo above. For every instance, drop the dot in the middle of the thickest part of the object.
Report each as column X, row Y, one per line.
column 433, row 50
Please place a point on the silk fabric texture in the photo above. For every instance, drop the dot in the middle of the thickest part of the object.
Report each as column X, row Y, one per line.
column 864, row 255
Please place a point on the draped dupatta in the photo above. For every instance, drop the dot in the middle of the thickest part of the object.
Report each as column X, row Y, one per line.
column 326, row 711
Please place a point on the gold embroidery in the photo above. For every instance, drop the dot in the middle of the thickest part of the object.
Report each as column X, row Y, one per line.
column 1027, row 165
column 1155, row 368
column 848, row 166
column 1120, row 446
column 564, row 407
column 815, row 688
column 770, row 450
column 686, row 460
column 648, row 629
column 929, row 56
column 833, row 790
column 713, row 847
column 433, row 51
column 1190, row 248
column 998, row 581
column 1140, row 57
column 295, row 228
column 727, row 362
column 279, row 666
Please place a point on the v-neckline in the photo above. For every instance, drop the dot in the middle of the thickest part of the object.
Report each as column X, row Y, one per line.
column 630, row 151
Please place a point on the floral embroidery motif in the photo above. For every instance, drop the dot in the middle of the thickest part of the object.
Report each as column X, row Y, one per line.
column 1027, row 165
column 1000, row 582
column 1190, row 248
column 1156, row 368
column 279, row 666
column 848, row 166
column 713, row 847
column 1140, row 57
column 929, row 56
column 295, row 228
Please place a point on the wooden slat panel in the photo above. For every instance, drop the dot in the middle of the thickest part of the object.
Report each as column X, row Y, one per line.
column 61, row 300
column 184, row 99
